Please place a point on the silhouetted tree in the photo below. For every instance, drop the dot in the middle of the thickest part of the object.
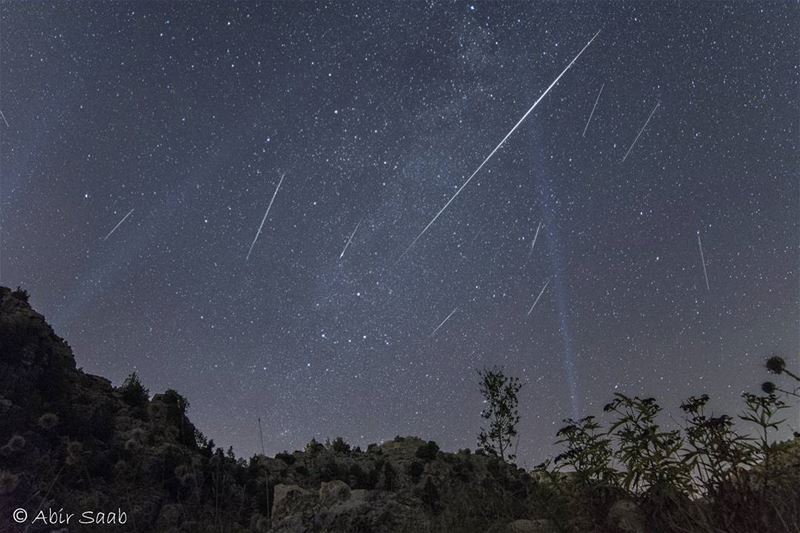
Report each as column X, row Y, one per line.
column 500, row 396
column 133, row 392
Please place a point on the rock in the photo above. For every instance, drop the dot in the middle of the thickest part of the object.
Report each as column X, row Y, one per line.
column 626, row 517
column 290, row 499
column 374, row 511
column 333, row 492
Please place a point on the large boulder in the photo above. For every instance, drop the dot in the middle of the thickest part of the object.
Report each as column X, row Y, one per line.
column 626, row 517
column 291, row 500
column 333, row 492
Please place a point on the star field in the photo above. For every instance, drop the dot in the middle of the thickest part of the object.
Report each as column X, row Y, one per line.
column 375, row 114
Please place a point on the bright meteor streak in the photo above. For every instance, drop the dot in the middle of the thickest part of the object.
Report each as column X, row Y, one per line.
column 498, row 146
column 640, row 132
column 349, row 240
column 118, row 225
column 265, row 217
column 443, row 321
column 535, row 237
column 593, row 108
column 536, row 301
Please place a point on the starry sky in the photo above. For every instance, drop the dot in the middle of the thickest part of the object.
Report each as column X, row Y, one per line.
column 142, row 143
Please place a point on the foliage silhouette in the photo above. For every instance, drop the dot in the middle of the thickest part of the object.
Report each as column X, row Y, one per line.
column 500, row 396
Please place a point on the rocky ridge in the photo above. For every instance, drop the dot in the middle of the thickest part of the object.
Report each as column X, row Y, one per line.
column 73, row 441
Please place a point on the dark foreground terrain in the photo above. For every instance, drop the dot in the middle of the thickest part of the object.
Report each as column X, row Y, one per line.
column 72, row 443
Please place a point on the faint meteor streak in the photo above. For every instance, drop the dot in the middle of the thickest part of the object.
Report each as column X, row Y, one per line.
column 640, row 131
column 349, row 240
column 443, row 321
column 593, row 108
column 496, row 148
column 536, row 301
column 535, row 236
column 477, row 234
column 118, row 225
column 265, row 216
column 703, row 261
column 4, row 119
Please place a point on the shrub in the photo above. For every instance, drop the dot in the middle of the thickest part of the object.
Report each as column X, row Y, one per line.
column 361, row 479
column 389, row 476
column 430, row 495
column 331, row 470
column 286, row 457
column 415, row 470
column 16, row 443
column 703, row 477
column 588, row 451
column 133, row 392
column 340, row 446
column 651, row 457
column 21, row 294
column 48, row 421
column 314, row 447
column 8, row 482
column 427, row 452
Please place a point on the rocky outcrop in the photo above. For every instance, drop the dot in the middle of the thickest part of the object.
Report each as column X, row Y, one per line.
column 337, row 508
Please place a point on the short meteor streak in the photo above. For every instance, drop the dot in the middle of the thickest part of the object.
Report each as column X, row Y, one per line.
column 349, row 240
column 640, row 132
column 265, row 217
column 496, row 148
column 443, row 321
column 4, row 119
column 593, row 108
column 118, row 225
column 536, row 301
column 535, row 236
column 703, row 261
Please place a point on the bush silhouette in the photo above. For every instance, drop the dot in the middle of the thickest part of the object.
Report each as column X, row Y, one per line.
column 133, row 392
column 427, row 452
column 340, row 446
column 703, row 476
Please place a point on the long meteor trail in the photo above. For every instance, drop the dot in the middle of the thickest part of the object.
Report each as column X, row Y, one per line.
column 640, row 132
column 496, row 148
column 118, row 225
column 536, row 301
column 349, row 240
column 265, row 217
column 4, row 119
column 443, row 321
column 703, row 261
column 593, row 108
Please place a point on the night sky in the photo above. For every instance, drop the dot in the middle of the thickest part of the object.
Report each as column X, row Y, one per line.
column 180, row 119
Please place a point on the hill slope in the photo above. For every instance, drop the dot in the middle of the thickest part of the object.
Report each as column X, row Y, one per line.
column 72, row 441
